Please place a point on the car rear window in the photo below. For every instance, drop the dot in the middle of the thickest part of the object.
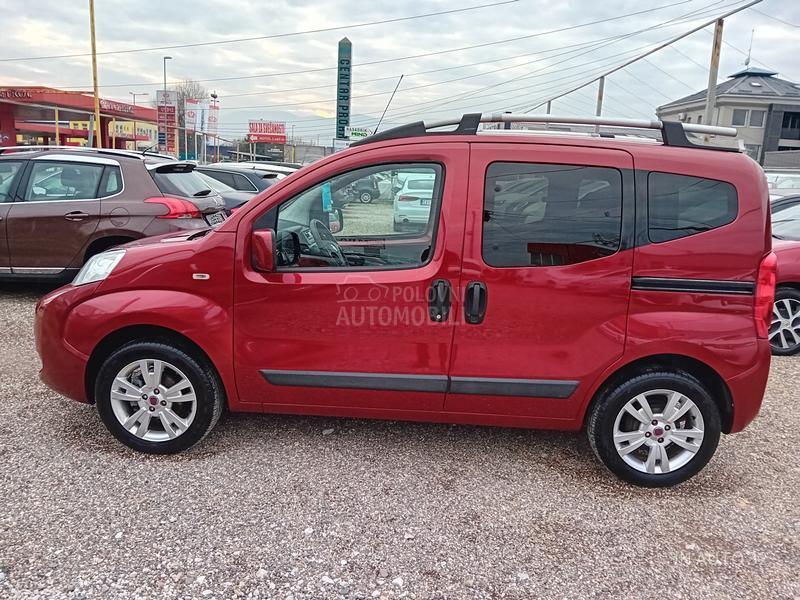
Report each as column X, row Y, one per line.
column 679, row 205
column 420, row 184
column 186, row 183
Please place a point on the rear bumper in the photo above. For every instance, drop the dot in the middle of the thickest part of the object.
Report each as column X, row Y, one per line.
column 747, row 389
column 63, row 367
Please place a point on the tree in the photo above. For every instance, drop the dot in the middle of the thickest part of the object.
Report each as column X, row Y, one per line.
column 188, row 89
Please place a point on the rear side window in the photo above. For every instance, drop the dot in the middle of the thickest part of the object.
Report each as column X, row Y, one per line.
column 8, row 170
column 243, row 183
column 538, row 215
column 222, row 177
column 678, row 206
column 111, row 183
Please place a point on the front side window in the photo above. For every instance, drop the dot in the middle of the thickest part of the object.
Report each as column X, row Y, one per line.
column 678, row 205
column 538, row 215
column 739, row 117
column 337, row 227
column 8, row 170
column 51, row 181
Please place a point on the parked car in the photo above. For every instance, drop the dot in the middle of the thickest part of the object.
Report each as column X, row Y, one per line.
column 243, row 179
column 61, row 206
column 784, row 331
column 783, row 184
column 266, row 167
column 411, row 204
column 623, row 307
column 233, row 199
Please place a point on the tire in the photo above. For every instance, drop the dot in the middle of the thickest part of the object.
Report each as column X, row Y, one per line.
column 608, row 415
column 786, row 323
column 195, row 418
column 365, row 197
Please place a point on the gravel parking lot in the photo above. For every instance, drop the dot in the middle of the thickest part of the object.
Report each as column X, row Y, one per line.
column 290, row 507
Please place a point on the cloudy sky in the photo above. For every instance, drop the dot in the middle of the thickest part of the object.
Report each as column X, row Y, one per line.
column 510, row 55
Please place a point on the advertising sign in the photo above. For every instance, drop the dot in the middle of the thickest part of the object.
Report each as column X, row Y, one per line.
column 212, row 120
column 343, row 80
column 167, row 102
column 191, row 110
column 357, row 133
column 270, row 132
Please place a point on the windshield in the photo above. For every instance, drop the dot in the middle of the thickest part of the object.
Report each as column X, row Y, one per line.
column 786, row 223
column 186, row 184
column 214, row 184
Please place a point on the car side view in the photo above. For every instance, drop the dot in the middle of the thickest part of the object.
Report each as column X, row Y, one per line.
column 91, row 200
column 559, row 280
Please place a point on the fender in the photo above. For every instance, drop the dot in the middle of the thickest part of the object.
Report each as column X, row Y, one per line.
column 204, row 322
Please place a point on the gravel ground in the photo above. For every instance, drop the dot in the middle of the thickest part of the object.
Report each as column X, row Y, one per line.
column 289, row 507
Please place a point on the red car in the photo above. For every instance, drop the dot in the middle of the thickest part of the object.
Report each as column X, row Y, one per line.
column 784, row 332
column 561, row 281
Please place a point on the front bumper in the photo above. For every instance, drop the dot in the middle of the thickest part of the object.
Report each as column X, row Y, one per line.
column 63, row 367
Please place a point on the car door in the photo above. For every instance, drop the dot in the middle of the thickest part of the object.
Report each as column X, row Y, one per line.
column 55, row 212
column 366, row 336
column 10, row 173
column 545, row 280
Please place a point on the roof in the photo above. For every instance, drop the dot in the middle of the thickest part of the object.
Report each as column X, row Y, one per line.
column 747, row 82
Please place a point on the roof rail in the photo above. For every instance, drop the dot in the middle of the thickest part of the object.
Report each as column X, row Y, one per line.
column 673, row 133
column 111, row 151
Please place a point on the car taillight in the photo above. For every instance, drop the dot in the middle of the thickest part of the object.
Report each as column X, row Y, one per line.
column 407, row 199
column 765, row 294
column 177, row 208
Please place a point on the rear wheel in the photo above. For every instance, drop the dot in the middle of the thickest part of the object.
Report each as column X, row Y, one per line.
column 784, row 331
column 655, row 430
column 365, row 197
column 158, row 398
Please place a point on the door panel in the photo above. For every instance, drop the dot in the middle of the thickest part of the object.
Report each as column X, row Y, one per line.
column 55, row 214
column 557, row 289
column 360, row 338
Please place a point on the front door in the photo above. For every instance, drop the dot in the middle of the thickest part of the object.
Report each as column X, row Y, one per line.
column 350, row 321
column 545, row 278
column 55, row 213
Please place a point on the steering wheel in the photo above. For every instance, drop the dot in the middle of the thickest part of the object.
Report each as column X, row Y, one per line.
column 327, row 244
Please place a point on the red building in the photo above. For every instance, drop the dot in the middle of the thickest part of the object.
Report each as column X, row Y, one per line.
column 43, row 111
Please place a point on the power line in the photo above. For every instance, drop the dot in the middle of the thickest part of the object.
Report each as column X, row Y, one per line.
column 774, row 18
column 668, row 74
column 264, row 37
column 415, row 56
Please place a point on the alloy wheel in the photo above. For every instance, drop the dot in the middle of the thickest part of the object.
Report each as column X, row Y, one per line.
column 784, row 331
column 153, row 400
column 658, row 431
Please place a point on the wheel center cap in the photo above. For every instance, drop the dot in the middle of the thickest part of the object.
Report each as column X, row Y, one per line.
column 659, row 431
column 152, row 400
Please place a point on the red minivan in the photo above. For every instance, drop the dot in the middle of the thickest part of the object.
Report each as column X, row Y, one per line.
column 556, row 280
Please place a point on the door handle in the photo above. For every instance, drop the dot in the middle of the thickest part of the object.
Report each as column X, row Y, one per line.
column 476, row 297
column 76, row 215
column 439, row 300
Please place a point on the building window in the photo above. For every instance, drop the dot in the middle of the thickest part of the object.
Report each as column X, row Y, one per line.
column 699, row 119
column 757, row 118
column 688, row 119
column 739, row 117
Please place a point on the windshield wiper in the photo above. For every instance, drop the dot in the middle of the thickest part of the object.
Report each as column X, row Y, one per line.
column 202, row 193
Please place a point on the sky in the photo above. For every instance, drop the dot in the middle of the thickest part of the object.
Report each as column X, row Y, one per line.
column 522, row 59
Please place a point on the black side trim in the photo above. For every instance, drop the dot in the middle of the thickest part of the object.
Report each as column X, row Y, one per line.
column 537, row 388
column 704, row 286
column 362, row 381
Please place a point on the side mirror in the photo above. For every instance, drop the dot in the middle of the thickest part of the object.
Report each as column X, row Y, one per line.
column 335, row 220
column 287, row 246
column 263, row 250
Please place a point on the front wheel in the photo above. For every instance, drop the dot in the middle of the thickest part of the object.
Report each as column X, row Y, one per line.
column 158, row 398
column 365, row 197
column 784, row 330
column 655, row 430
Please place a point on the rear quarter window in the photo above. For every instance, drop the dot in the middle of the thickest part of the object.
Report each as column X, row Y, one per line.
column 679, row 206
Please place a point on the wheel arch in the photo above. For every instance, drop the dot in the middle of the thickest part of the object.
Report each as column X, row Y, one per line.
column 672, row 362
column 135, row 333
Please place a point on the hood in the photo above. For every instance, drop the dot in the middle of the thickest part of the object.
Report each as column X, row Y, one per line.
column 169, row 238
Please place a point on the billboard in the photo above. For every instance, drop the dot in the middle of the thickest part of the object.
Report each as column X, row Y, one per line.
column 343, row 81
column 270, row 132
column 357, row 133
column 167, row 102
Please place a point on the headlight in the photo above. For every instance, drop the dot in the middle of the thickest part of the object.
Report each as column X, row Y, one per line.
column 98, row 267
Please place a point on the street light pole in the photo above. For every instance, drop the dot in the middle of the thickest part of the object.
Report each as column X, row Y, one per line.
column 216, row 125
column 134, row 94
column 99, row 142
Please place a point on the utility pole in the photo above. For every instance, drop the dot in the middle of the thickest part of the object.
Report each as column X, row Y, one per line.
column 600, row 90
column 713, row 72
column 99, row 140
